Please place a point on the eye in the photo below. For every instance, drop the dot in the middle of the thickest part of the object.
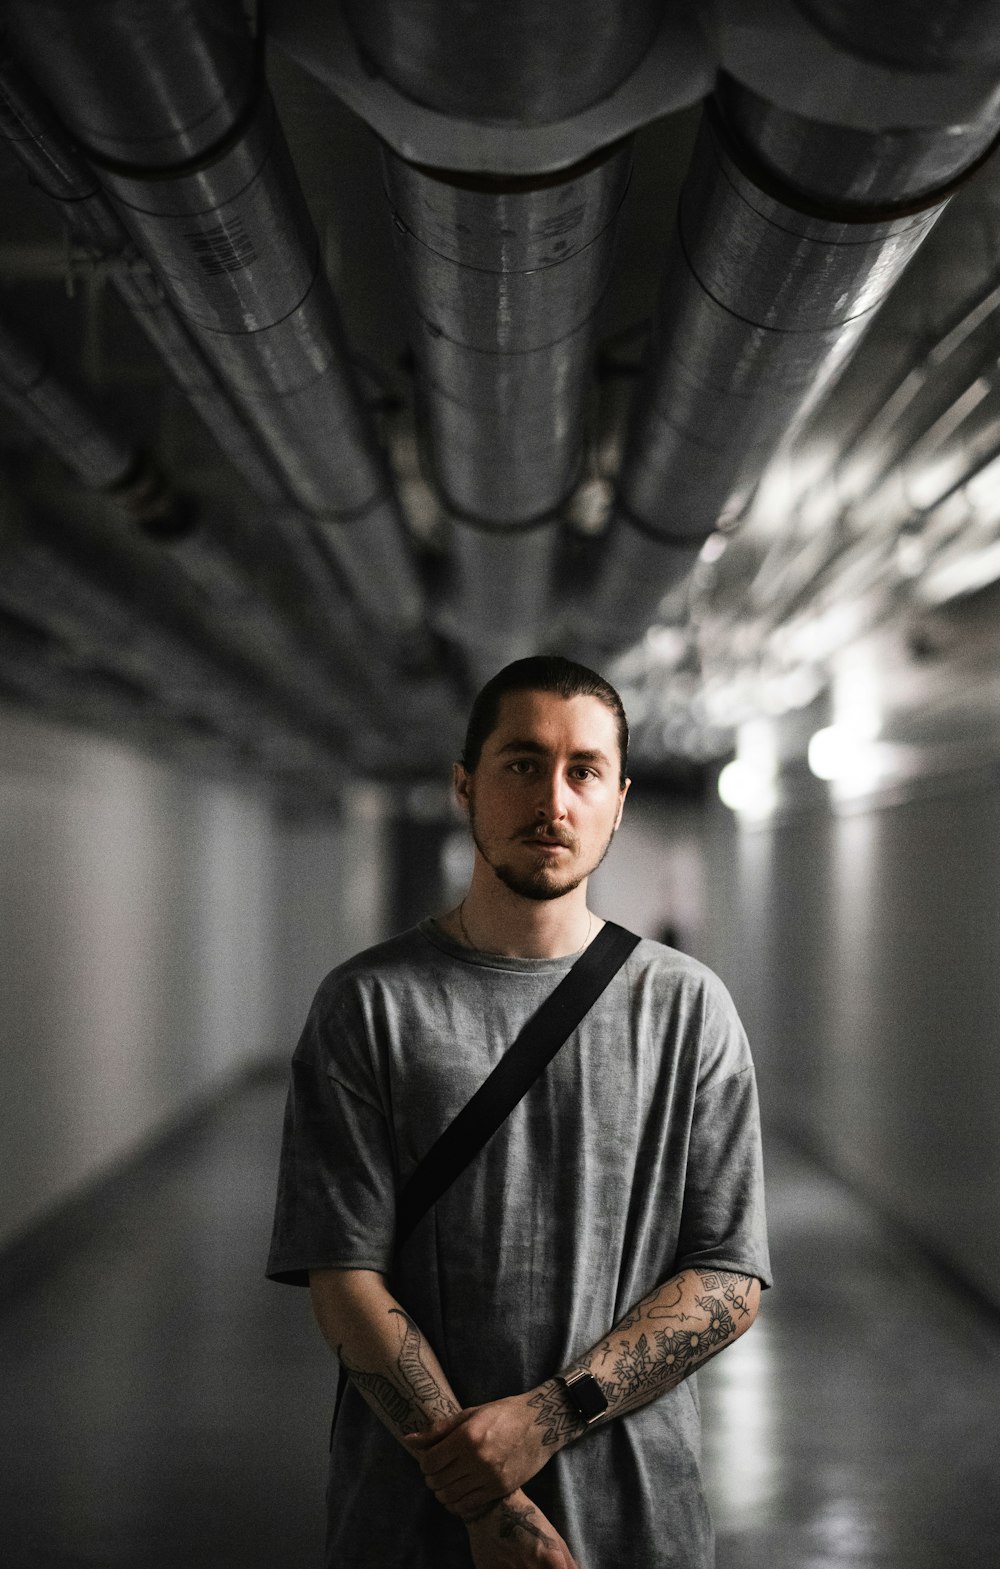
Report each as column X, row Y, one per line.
column 582, row 772
column 521, row 765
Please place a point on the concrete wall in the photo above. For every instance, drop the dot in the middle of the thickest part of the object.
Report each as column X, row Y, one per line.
column 332, row 883
column 136, row 928
column 863, row 952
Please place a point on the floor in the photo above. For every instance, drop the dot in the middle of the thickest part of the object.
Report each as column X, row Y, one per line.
column 161, row 1405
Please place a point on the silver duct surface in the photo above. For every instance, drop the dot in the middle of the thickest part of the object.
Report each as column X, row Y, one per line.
column 526, row 61
column 504, row 280
column 43, row 146
column 60, row 416
column 768, row 287
column 501, row 593
column 167, row 103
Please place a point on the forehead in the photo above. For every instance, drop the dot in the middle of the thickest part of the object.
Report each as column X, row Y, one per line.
column 571, row 724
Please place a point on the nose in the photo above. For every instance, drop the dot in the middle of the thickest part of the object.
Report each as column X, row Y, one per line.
column 551, row 803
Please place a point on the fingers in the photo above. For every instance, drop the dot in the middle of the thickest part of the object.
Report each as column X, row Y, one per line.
column 435, row 1433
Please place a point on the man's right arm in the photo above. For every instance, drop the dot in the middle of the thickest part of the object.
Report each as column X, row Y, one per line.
column 395, row 1369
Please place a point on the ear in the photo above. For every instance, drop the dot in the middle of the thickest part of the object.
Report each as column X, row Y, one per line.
column 461, row 780
column 621, row 804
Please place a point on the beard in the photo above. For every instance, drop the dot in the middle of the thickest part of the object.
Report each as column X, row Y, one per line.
column 541, row 881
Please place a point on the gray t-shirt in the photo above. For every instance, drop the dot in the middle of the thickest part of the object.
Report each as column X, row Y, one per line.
column 635, row 1154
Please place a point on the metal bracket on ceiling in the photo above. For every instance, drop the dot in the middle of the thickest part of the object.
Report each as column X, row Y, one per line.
column 772, row 48
column 678, row 71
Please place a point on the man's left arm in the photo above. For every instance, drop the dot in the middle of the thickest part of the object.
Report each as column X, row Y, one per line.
column 473, row 1459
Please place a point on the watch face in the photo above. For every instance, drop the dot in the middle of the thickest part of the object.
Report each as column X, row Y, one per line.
column 588, row 1397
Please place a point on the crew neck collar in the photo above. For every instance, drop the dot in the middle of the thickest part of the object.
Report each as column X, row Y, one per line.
column 435, row 934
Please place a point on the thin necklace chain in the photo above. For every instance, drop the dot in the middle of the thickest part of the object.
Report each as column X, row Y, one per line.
column 465, row 932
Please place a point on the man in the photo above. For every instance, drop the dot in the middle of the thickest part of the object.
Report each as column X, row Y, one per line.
column 612, row 1228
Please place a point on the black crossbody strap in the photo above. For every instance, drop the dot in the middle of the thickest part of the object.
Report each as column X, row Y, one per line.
column 521, row 1064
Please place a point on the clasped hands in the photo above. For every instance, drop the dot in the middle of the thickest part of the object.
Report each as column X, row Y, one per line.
column 475, row 1464
column 478, row 1456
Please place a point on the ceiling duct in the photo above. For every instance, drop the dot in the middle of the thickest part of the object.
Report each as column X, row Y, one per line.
column 99, row 610
column 62, row 418
column 332, row 629
column 790, row 233
column 168, row 104
column 81, row 437
column 505, row 276
column 500, row 594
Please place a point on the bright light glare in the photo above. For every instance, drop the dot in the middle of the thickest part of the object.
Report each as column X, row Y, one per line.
column 830, row 751
column 749, row 784
column 746, row 790
column 713, row 547
column 851, row 763
column 962, row 575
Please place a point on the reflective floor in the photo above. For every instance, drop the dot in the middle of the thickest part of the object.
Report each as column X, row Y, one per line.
column 161, row 1405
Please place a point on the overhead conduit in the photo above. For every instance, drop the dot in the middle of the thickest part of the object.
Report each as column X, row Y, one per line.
column 505, row 277
column 167, row 102
column 82, row 438
column 325, row 618
column 790, row 233
column 46, row 582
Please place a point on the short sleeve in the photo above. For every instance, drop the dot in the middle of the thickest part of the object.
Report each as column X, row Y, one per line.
column 723, row 1222
column 335, row 1204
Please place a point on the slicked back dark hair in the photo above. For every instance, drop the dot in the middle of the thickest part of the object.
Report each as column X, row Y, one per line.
column 540, row 673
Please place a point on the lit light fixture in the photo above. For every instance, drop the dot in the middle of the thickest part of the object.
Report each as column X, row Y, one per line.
column 830, row 751
column 713, row 547
column 963, row 574
column 852, row 764
column 749, row 784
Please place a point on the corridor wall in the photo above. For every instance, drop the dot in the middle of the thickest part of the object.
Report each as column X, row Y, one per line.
column 862, row 948
column 136, row 928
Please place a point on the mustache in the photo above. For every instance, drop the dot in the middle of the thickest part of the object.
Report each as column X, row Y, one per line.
column 551, row 835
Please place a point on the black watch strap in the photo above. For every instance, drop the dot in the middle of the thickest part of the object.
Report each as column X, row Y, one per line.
column 585, row 1395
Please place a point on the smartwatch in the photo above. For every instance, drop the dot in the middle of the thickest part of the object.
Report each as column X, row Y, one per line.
column 585, row 1395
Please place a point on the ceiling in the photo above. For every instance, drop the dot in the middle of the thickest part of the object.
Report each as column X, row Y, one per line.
column 854, row 584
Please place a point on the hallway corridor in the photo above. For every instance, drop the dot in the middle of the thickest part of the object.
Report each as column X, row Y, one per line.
column 164, row 1407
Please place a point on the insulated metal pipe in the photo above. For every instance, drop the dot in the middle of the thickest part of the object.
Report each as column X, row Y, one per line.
column 790, row 233
column 54, row 165
column 505, row 278
column 61, row 417
column 491, row 568
column 168, row 105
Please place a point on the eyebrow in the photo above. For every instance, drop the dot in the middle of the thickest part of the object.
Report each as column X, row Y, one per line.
column 538, row 750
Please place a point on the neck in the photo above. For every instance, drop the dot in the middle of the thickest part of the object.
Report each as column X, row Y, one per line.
column 493, row 918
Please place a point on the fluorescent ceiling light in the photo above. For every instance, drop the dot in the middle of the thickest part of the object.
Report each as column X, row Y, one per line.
column 961, row 575
column 747, row 790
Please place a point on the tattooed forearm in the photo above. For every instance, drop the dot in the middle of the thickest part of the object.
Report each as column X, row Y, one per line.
column 510, row 1519
column 660, row 1342
column 426, row 1390
column 559, row 1423
column 394, row 1406
column 519, row 1520
column 408, row 1397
